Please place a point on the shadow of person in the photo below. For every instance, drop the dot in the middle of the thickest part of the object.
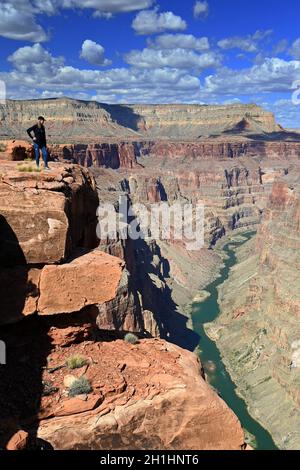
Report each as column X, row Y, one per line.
column 26, row 342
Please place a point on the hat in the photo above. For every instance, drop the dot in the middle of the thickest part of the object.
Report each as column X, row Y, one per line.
column 41, row 118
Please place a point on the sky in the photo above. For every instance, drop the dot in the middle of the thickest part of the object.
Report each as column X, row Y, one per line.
column 154, row 51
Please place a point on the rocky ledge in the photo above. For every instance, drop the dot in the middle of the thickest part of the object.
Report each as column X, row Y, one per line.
column 63, row 298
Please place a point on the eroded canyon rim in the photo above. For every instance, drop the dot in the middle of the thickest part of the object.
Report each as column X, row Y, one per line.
column 79, row 294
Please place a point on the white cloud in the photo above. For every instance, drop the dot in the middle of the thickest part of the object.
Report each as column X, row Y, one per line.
column 108, row 7
column 273, row 75
column 17, row 21
column 35, row 61
column 175, row 58
column 151, row 21
column 93, row 53
column 249, row 43
column 287, row 113
column 295, row 49
column 18, row 17
column 182, row 41
column 36, row 70
column 201, row 9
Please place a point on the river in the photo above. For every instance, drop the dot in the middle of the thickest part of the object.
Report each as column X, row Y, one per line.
column 205, row 312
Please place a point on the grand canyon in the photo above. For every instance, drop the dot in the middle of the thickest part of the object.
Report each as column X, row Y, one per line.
column 216, row 361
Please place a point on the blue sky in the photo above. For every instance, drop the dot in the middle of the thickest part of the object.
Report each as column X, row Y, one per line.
column 147, row 51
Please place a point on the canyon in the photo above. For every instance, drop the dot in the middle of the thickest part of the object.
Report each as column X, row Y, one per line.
column 81, row 295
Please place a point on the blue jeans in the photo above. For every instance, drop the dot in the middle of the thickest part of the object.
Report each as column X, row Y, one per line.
column 37, row 154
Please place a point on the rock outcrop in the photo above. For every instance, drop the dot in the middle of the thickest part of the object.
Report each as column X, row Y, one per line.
column 150, row 395
column 49, row 264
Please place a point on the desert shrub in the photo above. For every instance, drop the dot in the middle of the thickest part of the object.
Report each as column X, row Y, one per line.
column 2, row 147
column 79, row 386
column 131, row 338
column 76, row 361
column 28, row 169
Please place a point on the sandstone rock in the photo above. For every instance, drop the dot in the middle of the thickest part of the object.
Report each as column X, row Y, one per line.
column 42, row 219
column 18, row 441
column 175, row 410
column 76, row 405
column 34, row 227
column 150, row 324
column 15, row 150
column 122, row 312
column 89, row 279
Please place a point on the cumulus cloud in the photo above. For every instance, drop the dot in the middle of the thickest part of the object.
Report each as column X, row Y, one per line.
column 151, row 21
column 18, row 17
column 183, row 41
column 108, row 6
column 36, row 70
column 295, row 49
column 176, row 58
column 17, row 21
column 93, row 53
column 273, row 75
column 100, row 6
column 35, row 61
column 201, row 9
column 249, row 43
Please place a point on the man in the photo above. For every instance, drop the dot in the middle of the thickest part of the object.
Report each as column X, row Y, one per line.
column 39, row 141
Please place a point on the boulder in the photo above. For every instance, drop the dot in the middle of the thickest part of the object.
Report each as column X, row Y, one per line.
column 90, row 279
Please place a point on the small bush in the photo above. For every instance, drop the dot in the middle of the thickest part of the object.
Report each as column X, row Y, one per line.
column 131, row 338
column 76, row 361
column 80, row 386
column 27, row 169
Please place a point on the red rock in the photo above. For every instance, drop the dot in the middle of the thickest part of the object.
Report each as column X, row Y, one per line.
column 16, row 150
column 43, row 218
column 90, row 279
column 77, row 405
column 166, row 406
column 18, row 441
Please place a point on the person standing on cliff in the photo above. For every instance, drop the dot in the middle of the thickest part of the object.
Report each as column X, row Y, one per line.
column 39, row 141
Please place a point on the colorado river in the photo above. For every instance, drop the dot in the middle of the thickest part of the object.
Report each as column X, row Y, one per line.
column 218, row 377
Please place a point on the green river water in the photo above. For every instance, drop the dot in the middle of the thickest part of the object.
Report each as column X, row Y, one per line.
column 219, row 378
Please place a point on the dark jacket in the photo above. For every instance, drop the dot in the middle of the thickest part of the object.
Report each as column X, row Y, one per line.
column 39, row 134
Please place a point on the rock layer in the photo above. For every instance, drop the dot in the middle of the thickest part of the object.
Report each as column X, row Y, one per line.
column 74, row 119
column 258, row 332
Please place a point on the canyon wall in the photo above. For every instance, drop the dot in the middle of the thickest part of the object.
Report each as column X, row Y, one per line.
column 258, row 331
column 78, row 121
